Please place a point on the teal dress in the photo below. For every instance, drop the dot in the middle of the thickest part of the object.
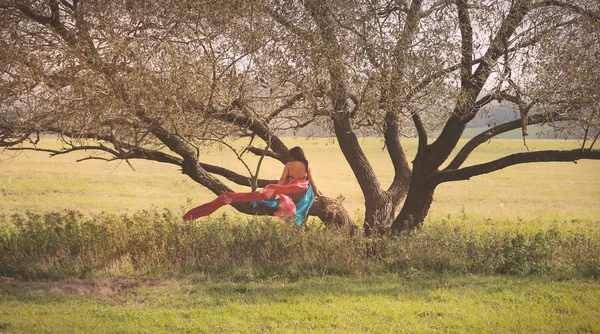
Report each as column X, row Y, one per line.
column 303, row 204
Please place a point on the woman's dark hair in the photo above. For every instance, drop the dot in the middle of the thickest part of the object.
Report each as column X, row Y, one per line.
column 298, row 155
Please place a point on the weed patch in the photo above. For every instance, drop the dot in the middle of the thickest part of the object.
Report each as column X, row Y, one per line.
column 158, row 243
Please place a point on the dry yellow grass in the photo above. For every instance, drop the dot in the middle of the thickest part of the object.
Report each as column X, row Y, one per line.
column 557, row 191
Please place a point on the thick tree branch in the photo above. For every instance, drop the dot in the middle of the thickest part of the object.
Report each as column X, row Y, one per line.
column 508, row 27
column 515, row 159
column 41, row 19
column 401, row 168
column 347, row 140
column 68, row 4
column 421, row 131
column 55, row 13
column 466, row 46
column 190, row 165
column 489, row 98
column 260, row 152
column 481, row 138
column 594, row 141
column 257, row 127
column 397, row 84
column 465, row 110
column 235, row 177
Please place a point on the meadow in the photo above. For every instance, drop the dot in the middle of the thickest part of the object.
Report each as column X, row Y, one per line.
column 382, row 304
column 99, row 247
column 33, row 181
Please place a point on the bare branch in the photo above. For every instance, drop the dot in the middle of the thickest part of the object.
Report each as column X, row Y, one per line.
column 235, row 177
column 594, row 141
column 436, row 6
column 403, row 7
column 515, row 159
column 239, row 156
column 286, row 105
column 481, row 138
column 9, row 140
column 570, row 6
column 257, row 127
column 509, row 25
column 371, row 53
column 437, row 75
column 271, row 154
column 288, row 25
column 98, row 158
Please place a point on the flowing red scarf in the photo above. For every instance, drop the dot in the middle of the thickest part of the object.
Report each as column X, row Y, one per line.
column 286, row 208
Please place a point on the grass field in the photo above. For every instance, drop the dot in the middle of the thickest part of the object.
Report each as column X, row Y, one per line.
column 549, row 191
column 383, row 304
column 516, row 251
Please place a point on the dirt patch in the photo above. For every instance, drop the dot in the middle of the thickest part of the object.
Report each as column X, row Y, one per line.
column 95, row 286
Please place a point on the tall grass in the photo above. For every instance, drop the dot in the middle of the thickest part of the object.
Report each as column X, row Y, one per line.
column 69, row 243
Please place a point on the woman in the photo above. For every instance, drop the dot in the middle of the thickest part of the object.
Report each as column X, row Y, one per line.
column 296, row 190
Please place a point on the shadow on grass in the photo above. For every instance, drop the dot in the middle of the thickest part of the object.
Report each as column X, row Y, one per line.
column 174, row 293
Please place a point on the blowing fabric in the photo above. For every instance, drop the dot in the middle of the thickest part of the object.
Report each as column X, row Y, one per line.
column 286, row 206
column 301, row 205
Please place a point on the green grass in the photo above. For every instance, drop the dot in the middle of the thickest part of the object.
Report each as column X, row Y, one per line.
column 532, row 192
column 382, row 304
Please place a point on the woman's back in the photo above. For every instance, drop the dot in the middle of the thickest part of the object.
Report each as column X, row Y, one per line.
column 296, row 169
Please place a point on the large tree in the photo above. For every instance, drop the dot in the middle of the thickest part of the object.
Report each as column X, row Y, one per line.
column 420, row 66
column 139, row 77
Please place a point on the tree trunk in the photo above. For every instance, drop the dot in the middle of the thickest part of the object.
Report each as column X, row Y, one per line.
column 379, row 213
column 417, row 203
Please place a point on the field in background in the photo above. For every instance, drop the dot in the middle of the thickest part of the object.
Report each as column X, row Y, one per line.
column 545, row 191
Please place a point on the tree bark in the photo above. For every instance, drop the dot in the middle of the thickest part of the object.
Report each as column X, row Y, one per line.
column 332, row 213
column 379, row 213
column 417, row 203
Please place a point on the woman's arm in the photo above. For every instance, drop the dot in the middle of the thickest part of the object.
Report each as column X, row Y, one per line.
column 314, row 185
column 284, row 175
